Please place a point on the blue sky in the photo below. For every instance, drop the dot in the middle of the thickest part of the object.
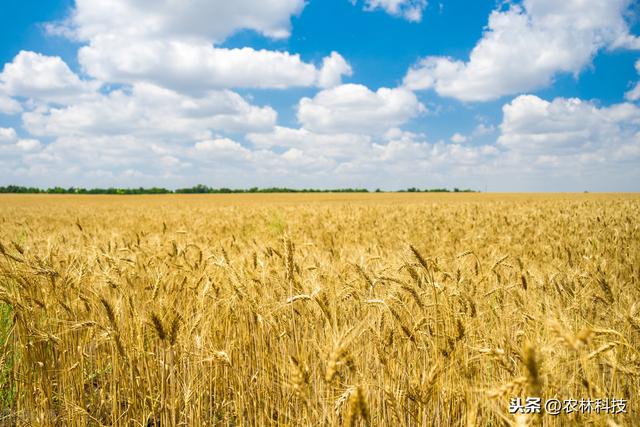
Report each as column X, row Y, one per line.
column 531, row 95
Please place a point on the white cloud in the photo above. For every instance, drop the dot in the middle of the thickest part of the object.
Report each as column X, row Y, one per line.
column 398, row 158
column 174, row 44
column 197, row 65
column 145, row 135
column 222, row 147
column 171, row 122
column 432, row 156
column 333, row 68
column 170, row 97
column 28, row 144
column 482, row 129
column 353, row 108
column 9, row 106
column 634, row 94
column 11, row 146
column 99, row 160
column 191, row 19
column 7, row 135
column 562, row 144
column 397, row 133
column 458, row 138
column 32, row 75
column 415, row 162
column 227, row 153
column 149, row 110
column 411, row 10
column 337, row 146
column 571, row 132
column 525, row 47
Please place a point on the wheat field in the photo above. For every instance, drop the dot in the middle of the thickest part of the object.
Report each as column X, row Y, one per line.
column 317, row 310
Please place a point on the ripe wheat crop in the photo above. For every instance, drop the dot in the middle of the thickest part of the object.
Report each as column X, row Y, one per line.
column 317, row 310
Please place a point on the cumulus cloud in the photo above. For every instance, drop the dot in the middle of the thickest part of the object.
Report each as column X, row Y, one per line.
column 176, row 44
column 458, row 138
column 151, row 110
column 570, row 132
column 28, row 144
column 191, row 19
column 333, row 68
column 222, row 148
column 33, row 75
column 8, row 135
column 158, row 111
column 436, row 156
column 634, row 94
column 353, row 108
column 227, row 153
column 99, row 160
column 525, row 47
column 11, row 145
column 414, row 161
column 197, row 65
column 157, row 102
column 411, row 10
column 482, row 129
column 563, row 141
column 336, row 146
column 397, row 158
column 9, row 106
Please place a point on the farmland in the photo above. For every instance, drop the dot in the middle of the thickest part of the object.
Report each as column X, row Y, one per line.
column 317, row 309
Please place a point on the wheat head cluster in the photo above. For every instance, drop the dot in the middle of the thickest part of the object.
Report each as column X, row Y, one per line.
column 323, row 310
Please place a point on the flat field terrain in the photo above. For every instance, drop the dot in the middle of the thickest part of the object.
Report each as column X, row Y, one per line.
column 319, row 309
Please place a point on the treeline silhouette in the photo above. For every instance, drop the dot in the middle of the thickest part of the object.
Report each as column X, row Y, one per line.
column 203, row 189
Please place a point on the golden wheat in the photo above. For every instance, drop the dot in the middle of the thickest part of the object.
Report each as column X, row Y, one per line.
column 306, row 310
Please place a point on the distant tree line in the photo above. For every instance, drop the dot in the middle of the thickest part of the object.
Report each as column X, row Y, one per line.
column 203, row 189
column 76, row 190
column 437, row 190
